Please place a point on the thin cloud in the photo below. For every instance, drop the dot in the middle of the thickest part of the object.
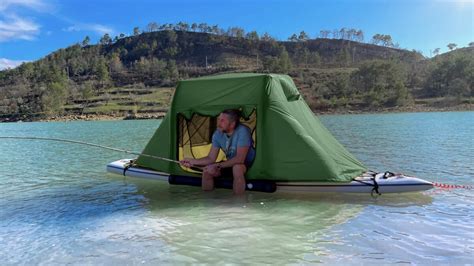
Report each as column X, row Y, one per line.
column 37, row 5
column 97, row 28
column 9, row 64
column 13, row 27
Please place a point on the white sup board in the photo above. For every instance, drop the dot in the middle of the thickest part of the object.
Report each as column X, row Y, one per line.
column 367, row 183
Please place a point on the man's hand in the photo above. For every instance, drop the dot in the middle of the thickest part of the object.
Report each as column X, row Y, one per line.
column 186, row 162
column 214, row 169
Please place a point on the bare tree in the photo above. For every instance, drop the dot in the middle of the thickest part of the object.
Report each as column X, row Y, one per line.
column 202, row 27
column 351, row 34
column 324, row 33
column 152, row 26
column 360, row 36
column 343, row 33
column 182, row 26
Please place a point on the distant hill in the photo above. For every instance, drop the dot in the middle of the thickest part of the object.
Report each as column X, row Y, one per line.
column 136, row 74
column 460, row 52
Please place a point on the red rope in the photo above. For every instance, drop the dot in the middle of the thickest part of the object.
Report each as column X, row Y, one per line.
column 449, row 186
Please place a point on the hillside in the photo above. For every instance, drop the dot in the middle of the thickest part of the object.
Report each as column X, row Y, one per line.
column 135, row 75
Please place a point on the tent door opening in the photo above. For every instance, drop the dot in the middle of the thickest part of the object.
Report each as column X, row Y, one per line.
column 195, row 136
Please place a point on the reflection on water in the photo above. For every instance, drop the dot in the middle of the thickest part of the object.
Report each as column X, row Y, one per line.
column 59, row 206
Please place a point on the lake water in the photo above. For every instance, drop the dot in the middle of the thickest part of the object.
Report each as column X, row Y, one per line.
column 58, row 206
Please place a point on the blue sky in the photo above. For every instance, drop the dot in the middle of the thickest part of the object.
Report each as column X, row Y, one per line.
column 30, row 29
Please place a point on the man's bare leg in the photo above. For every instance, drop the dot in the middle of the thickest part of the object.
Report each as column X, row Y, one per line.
column 208, row 176
column 238, row 171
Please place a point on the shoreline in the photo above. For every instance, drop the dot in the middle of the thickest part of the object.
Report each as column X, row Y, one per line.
column 144, row 116
column 88, row 117
column 399, row 109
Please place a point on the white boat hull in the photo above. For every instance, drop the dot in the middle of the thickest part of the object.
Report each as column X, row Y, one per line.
column 363, row 184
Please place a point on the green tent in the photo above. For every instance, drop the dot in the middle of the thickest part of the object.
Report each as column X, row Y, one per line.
column 291, row 143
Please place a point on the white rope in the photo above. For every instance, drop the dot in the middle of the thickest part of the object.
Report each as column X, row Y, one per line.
column 91, row 144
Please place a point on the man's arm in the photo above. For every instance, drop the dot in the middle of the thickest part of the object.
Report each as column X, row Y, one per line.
column 209, row 159
column 239, row 158
column 244, row 141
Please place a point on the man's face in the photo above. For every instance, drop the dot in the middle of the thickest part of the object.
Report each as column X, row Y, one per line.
column 223, row 123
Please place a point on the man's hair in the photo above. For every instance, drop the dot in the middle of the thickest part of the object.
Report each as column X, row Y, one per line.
column 233, row 115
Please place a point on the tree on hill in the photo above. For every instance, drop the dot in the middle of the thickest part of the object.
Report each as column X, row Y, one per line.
column 452, row 46
column 182, row 26
column 359, row 36
column 136, row 31
column 324, row 34
column 382, row 39
column 252, row 36
column 54, row 92
column 105, row 40
column 302, row 37
column 266, row 37
column 278, row 64
column 452, row 76
column 293, row 38
column 382, row 82
column 115, row 64
column 86, row 41
column 194, row 27
column 102, row 72
column 235, row 32
column 152, row 26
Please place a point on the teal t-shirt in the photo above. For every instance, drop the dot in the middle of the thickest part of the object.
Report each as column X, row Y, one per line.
column 242, row 137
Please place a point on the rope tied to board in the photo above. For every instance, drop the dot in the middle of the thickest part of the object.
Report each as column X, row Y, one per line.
column 93, row 145
column 451, row 186
column 128, row 166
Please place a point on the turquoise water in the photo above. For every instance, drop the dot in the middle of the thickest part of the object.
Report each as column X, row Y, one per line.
column 58, row 206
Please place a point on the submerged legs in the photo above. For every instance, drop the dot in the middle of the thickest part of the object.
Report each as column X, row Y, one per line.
column 208, row 176
column 238, row 172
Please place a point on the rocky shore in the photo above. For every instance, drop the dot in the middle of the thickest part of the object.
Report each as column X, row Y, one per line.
column 85, row 117
column 99, row 117
column 399, row 109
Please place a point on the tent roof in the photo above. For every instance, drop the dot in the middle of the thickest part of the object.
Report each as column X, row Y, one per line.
column 229, row 76
column 292, row 144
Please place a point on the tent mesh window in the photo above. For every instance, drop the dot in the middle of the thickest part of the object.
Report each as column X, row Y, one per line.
column 195, row 135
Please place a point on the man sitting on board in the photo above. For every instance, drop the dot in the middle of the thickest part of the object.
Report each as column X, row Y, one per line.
column 236, row 142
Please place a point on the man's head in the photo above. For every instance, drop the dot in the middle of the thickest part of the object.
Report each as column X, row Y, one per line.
column 228, row 120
